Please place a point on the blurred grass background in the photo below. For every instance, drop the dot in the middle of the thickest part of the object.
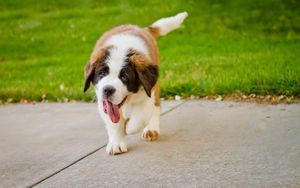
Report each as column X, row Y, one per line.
column 224, row 47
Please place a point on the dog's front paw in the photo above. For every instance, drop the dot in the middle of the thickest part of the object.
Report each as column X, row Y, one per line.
column 114, row 149
column 150, row 134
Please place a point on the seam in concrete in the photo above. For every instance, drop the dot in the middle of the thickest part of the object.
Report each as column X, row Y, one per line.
column 173, row 108
column 58, row 171
column 92, row 152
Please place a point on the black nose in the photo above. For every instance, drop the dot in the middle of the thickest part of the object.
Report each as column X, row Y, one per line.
column 108, row 91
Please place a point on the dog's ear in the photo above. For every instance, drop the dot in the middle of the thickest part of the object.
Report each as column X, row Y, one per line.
column 148, row 76
column 98, row 56
column 89, row 72
column 147, row 72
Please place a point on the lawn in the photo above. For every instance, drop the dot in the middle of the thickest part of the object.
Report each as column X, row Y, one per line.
column 224, row 47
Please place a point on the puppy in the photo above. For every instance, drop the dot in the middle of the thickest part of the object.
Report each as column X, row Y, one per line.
column 124, row 69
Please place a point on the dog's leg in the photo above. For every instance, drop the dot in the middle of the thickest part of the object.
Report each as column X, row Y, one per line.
column 116, row 135
column 116, row 139
column 135, row 123
column 141, row 114
column 151, row 131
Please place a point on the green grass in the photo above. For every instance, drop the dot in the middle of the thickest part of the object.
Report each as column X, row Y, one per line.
column 248, row 46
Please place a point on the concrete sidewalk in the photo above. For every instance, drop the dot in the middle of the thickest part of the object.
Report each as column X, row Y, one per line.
column 203, row 144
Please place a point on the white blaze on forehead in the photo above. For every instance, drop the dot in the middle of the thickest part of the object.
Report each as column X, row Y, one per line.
column 124, row 42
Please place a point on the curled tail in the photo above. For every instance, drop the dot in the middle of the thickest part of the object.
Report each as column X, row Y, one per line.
column 165, row 25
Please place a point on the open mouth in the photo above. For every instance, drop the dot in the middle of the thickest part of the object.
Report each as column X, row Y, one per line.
column 113, row 110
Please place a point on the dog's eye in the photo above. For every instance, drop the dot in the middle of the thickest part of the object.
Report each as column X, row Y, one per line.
column 124, row 75
column 103, row 72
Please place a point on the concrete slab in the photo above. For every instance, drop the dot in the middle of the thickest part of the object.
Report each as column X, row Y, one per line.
column 203, row 144
column 36, row 140
column 39, row 140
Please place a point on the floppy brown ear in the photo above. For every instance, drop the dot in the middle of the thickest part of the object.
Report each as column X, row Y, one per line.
column 89, row 71
column 147, row 72
column 148, row 77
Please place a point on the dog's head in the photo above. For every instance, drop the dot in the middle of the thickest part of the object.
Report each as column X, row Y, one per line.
column 117, row 73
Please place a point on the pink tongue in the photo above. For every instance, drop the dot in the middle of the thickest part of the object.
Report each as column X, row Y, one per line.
column 112, row 111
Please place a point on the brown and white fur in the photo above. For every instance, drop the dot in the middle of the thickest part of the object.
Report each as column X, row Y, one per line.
column 124, row 68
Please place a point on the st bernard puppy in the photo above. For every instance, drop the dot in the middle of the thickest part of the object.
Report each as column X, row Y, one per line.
column 124, row 69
